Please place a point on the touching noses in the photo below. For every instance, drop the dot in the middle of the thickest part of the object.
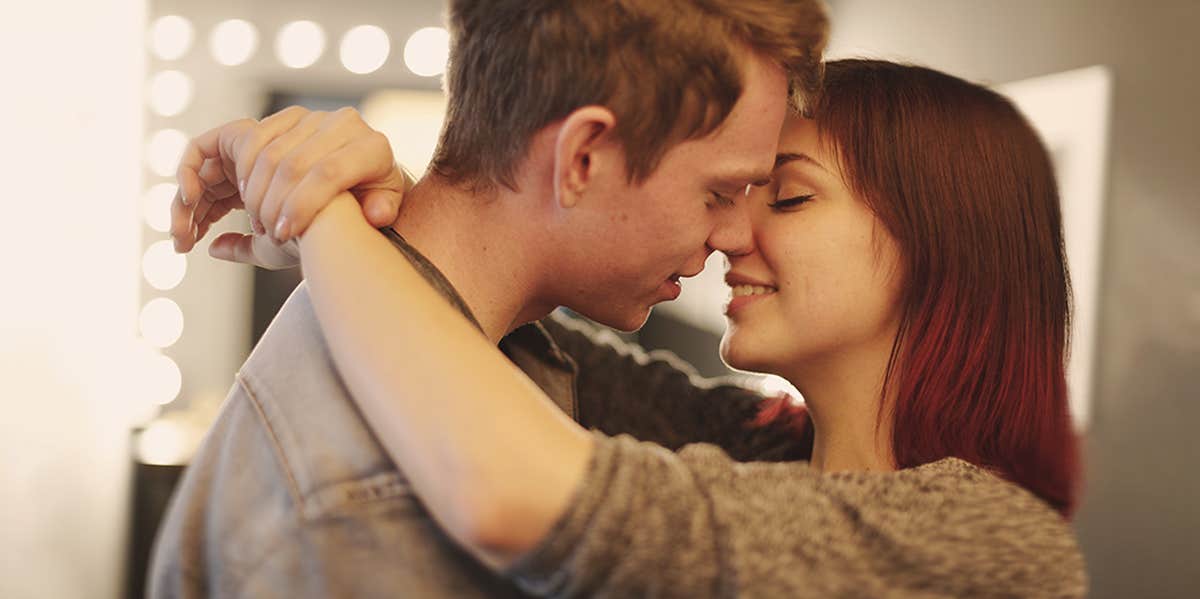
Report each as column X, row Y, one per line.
column 732, row 234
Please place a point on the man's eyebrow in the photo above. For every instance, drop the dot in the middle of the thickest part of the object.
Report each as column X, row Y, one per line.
column 787, row 157
column 741, row 178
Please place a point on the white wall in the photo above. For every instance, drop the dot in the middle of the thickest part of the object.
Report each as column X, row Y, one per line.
column 69, row 246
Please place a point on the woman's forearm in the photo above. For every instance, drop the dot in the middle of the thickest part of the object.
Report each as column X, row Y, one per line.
column 490, row 455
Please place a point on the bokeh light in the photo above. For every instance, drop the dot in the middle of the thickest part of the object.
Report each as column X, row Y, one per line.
column 299, row 44
column 171, row 37
column 427, row 51
column 170, row 93
column 161, row 322
column 163, row 443
column 164, row 151
column 233, row 42
column 364, row 49
column 156, row 206
column 162, row 267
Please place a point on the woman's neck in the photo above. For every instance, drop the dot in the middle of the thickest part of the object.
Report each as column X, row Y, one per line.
column 843, row 395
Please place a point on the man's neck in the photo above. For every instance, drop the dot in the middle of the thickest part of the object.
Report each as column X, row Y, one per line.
column 482, row 247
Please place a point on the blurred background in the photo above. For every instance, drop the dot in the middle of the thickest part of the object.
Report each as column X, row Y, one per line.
column 115, row 353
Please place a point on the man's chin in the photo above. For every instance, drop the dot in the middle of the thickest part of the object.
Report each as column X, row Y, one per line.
column 627, row 321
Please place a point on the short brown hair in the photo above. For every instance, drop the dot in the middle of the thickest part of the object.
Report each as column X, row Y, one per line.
column 668, row 70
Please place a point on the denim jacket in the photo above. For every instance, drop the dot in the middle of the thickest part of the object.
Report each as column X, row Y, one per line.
column 291, row 495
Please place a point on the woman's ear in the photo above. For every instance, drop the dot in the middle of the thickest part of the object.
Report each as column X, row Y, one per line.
column 581, row 135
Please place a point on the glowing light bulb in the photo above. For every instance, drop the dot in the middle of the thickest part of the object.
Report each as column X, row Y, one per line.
column 364, row 49
column 170, row 93
column 164, row 150
column 300, row 44
column 156, row 206
column 427, row 51
column 163, row 443
column 233, row 42
column 162, row 267
column 161, row 322
column 171, row 37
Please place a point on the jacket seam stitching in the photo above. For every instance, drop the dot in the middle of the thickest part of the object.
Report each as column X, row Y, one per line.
column 276, row 447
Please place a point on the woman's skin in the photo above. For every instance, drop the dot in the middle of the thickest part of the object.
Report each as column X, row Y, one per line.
column 831, row 311
column 827, row 326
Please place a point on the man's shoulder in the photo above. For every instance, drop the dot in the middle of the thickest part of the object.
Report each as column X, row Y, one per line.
column 320, row 437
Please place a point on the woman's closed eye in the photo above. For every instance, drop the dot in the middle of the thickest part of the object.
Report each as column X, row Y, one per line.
column 784, row 204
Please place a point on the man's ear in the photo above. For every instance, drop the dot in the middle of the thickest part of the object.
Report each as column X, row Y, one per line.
column 581, row 135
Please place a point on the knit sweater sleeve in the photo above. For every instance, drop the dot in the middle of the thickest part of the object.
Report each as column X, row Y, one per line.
column 648, row 522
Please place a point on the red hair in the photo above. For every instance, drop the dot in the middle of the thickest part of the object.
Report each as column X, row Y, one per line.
column 964, row 185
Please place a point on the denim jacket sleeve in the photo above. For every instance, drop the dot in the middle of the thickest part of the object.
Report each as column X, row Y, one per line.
column 230, row 511
column 238, row 527
column 657, row 397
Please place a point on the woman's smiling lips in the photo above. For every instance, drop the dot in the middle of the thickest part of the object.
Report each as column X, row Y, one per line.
column 745, row 291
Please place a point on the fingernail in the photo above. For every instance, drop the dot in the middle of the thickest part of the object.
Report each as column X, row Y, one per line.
column 242, row 187
column 183, row 196
column 281, row 229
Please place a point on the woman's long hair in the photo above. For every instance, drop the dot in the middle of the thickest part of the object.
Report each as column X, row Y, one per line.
column 964, row 185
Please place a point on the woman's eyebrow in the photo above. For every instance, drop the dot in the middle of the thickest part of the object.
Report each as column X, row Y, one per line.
column 789, row 157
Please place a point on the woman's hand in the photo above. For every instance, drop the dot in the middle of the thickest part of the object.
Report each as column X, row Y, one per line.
column 287, row 167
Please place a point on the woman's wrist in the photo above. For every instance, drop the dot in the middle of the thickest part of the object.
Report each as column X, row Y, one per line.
column 343, row 210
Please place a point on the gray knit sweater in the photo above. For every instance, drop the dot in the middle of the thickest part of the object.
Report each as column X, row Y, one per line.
column 648, row 522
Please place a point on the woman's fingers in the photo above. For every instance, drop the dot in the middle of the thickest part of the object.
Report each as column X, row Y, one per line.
column 255, row 250
column 217, row 211
column 266, row 161
column 181, row 223
column 207, row 146
column 290, row 165
column 245, row 147
column 194, row 179
column 324, row 165
column 218, row 189
column 363, row 166
column 380, row 206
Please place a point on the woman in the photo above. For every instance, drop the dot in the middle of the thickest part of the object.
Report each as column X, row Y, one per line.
column 908, row 277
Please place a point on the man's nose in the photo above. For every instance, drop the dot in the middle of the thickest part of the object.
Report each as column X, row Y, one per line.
column 732, row 234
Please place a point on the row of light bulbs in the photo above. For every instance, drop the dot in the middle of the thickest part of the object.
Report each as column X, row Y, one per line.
column 299, row 44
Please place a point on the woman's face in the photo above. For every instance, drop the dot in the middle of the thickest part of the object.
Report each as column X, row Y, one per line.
column 821, row 283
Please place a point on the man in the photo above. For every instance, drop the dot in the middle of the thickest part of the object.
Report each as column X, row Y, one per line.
column 590, row 159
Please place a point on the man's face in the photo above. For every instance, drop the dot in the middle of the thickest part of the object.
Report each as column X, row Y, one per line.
column 646, row 236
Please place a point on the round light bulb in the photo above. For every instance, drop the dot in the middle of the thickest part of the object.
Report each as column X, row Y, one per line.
column 156, row 206
column 427, row 51
column 164, row 150
column 162, row 267
column 163, row 443
column 299, row 44
column 161, row 379
column 171, row 37
column 233, row 42
column 364, row 49
column 170, row 93
column 161, row 322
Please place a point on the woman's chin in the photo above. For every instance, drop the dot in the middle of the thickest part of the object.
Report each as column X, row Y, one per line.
column 738, row 357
